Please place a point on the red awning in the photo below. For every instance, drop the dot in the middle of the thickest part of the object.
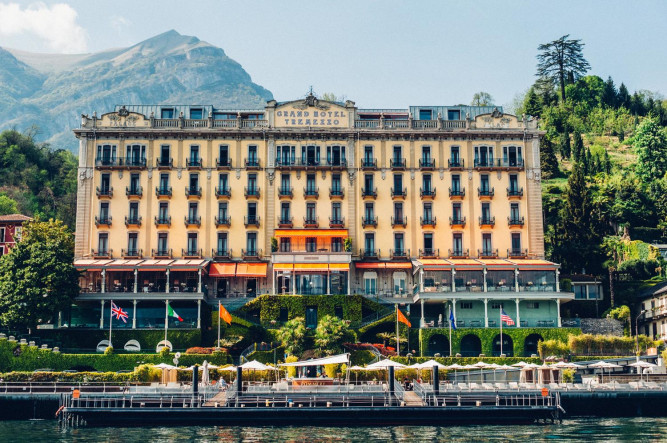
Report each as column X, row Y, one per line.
column 251, row 270
column 222, row 270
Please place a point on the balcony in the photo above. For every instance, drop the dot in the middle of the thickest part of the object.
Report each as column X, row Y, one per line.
column 133, row 221
column 337, row 164
column 104, row 192
column 515, row 222
column 223, row 192
column 457, row 194
column 399, row 254
column 252, row 192
column 251, row 254
column 164, row 163
column 399, row 221
column 399, row 193
column 487, row 253
column 101, row 253
column 163, row 221
column 369, row 222
column 162, row 253
column 369, row 163
column 286, row 222
column 193, row 191
column 223, row 164
column 252, row 163
column 429, row 253
column 311, row 222
column 135, row 163
column 427, row 221
column 192, row 220
column 107, row 162
column 427, row 194
column 457, row 222
column 285, row 192
column 132, row 253
column 285, row 162
column 134, row 191
column 485, row 194
column 251, row 221
column 455, row 163
column 426, row 164
column 487, row 221
column 397, row 163
column 163, row 192
column 369, row 253
column 193, row 163
column 483, row 164
column 336, row 193
column 514, row 192
column 221, row 254
column 222, row 221
column 369, row 192
column 191, row 253
column 336, row 222
column 103, row 220
column 311, row 192
column 459, row 253
column 511, row 163
column 517, row 253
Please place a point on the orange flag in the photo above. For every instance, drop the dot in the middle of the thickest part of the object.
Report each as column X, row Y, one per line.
column 225, row 315
column 402, row 318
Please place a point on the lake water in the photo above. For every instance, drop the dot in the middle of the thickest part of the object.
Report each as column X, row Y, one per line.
column 617, row 429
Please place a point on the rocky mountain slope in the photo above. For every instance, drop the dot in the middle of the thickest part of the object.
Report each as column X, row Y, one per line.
column 51, row 91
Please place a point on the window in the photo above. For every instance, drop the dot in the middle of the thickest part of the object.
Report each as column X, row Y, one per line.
column 162, row 243
column 196, row 113
column 223, row 155
column 103, row 243
column 285, row 182
column 370, row 283
column 516, row 243
column 105, row 183
column 336, row 212
column 484, row 183
column 398, row 212
column 252, row 212
column 222, row 211
column 579, row 291
column 106, row 154
column 483, row 156
column 252, row 154
column 193, row 210
column 18, row 233
column 2, row 251
column 310, row 155
column 455, row 155
column 194, row 154
column 192, row 243
column 398, row 243
column 132, row 243
column 453, row 114
column 426, row 154
column 426, row 182
column 456, row 183
column 425, row 114
column 2, row 235
column 285, row 155
column 285, row 212
column 104, row 211
column 514, row 184
column 398, row 184
column 456, row 212
column 336, row 183
column 252, row 182
column 428, row 211
column 311, row 184
column 512, row 156
column 194, row 183
column 486, row 244
column 457, row 243
column 532, row 305
column 428, row 243
column 486, row 212
column 397, row 154
column 164, row 182
column 336, row 244
column 223, row 182
column 497, row 306
column 368, row 154
column 134, row 184
column 311, row 244
column 399, row 282
column 369, row 243
column 514, row 212
column 336, row 155
column 369, row 213
column 285, row 244
column 310, row 212
column 167, row 113
column 165, row 155
column 466, row 305
column 135, row 155
column 251, row 243
column 133, row 214
column 368, row 182
column 222, row 243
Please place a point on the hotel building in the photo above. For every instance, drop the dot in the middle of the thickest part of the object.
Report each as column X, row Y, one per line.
column 430, row 206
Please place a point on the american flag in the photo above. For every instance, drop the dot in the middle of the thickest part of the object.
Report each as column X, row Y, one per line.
column 506, row 318
column 118, row 313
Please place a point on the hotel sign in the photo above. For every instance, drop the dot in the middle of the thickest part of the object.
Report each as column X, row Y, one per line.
column 311, row 112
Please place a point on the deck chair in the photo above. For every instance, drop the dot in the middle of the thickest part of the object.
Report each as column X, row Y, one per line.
column 502, row 386
column 514, row 385
column 488, row 386
column 473, row 386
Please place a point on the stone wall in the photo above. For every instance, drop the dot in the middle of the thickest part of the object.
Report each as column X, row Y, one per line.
column 602, row 326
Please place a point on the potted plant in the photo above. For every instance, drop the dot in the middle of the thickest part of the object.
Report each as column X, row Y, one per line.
column 347, row 244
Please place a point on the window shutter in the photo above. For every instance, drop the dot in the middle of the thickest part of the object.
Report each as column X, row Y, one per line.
column 317, row 154
column 329, row 154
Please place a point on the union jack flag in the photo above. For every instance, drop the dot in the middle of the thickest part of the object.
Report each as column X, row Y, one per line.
column 506, row 318
column 118, row 313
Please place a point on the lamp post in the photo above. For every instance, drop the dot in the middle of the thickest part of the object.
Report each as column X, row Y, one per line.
column 643, row 311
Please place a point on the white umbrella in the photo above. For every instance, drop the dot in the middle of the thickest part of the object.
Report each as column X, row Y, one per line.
column 521, row 364
column 455, row 367
column 482, row 365
column 164, row 366
column 231, row 368
column 255, row 365
column 603, row 365
column 384, row 364
column 204, row 374
column 641, row 364
column 429, row 364
column 356, row 368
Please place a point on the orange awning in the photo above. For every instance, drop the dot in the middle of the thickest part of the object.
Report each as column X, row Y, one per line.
column 465, row 264
column 251, row 270
column 278, row 233
column 222, row 270
column 311, row 267
column 435, row 264
column 498, row 264
column 283, row 266
column 398, row 265
column 339, row 266
column 369, row 265
column 534, row 265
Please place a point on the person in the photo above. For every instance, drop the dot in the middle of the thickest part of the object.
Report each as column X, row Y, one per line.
column 223, row 384
column 406, row 383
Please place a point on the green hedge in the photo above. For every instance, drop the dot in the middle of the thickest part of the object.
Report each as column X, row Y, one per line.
column 269, row 306
column 266, row 357
column 361, row 358
column 30, row 358
column 486, row 336
column 468, row 360
column 88, row 339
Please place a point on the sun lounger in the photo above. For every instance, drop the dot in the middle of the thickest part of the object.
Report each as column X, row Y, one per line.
column 502, row 386
column 488, row 386
column 554, row 386
column 463, row 385
column 652, row 385
column 514, row 385
column 473, row 386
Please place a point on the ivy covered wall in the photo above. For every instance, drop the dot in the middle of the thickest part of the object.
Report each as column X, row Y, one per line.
column 269, row 306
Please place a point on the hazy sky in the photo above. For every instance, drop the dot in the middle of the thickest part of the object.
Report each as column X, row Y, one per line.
column 379, row 53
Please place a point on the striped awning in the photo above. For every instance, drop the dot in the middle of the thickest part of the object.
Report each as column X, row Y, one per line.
column 278, row 233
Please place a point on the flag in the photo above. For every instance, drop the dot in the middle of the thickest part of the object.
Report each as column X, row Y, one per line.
column 118, row 313
column 173, row 313
column 506, row 318
column 402, row 318
column 224, row 314
column 452, row 320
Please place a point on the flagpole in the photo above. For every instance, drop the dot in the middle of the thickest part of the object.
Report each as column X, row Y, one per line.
column 501, row 329
column 217, row 344
column 449, row 320
column 398, row 337
column 166, row 320
column 110, row 320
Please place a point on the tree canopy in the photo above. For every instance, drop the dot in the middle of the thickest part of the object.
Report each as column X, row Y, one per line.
column 561, row 58
column 650, row 141
column 482, row 99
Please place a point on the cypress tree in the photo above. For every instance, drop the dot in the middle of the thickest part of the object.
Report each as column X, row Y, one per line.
column 548, row 160
column 565, row 148
column 609, row 94
column 578, row 147
column 623, row 98
column 607, row 162
column 532, row 105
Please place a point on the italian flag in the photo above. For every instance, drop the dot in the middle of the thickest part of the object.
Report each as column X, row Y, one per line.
column 173, row 313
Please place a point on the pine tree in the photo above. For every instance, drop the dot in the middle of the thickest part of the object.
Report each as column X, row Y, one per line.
column 607, row 162
column 532, row 105
column 565, row 148
column 578, row 147
column 609, row 94
column 650, row 142
column 587, row 161
column 548, row 160
column 562, row 60
column 623, row 98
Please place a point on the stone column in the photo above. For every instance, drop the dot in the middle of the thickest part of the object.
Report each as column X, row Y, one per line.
column 136, row 283
column 558, row 312
column 422, row 317
column 421, row 280
column 102, row 315
column 349, row 282
column 516, row 280
column 104, row 281
column 485, row 288
column 454, row 308
column 518, row 315
column 199, row 280
column 198, row 314
column 134, row 315
column 558, row 282
column 486, row 312
column 167, row 284
column 453, row 282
